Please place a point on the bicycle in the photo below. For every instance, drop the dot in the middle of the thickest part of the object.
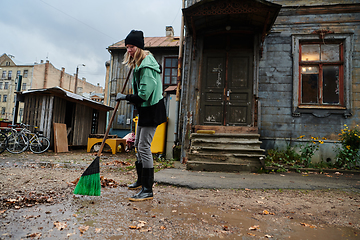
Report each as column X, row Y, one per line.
column 19, row 140
column 37, row 143
column 4, row 141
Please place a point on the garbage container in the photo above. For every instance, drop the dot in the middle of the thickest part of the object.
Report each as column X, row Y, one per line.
column 158, row 142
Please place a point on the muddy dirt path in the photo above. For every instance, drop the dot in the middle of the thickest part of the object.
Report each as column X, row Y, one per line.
column 37, row 203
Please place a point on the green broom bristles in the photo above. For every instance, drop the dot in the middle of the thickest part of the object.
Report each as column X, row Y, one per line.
column 89, row 182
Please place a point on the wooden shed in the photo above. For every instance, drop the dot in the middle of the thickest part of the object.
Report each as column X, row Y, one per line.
column 82, row 116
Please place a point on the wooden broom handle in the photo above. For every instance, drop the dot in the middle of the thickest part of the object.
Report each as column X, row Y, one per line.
column 113, row 116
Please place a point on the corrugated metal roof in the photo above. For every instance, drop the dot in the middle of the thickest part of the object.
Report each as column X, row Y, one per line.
column 151, row 42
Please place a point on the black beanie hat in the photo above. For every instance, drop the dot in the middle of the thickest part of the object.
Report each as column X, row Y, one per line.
column 135, row 38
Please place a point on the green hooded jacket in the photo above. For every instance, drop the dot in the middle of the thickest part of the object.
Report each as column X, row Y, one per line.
column 147, row 81
column 147, row 97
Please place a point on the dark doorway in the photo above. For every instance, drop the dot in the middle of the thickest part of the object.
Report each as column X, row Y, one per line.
column 227, row 80
column 69, row 120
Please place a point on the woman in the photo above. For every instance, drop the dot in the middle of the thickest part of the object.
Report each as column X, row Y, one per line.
column 148, row 99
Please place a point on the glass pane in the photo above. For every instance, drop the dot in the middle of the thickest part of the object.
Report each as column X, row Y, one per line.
column 330, row 52
column 167, row 80
column 310, row 52
column 167, row 72
column 167, row 62
column 309, row 85
column 174, row 62
column 310, row 70
column 173, row 80
column 174, row 72
column 331, row 84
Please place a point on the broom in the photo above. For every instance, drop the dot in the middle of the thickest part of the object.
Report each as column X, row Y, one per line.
column 89, row 183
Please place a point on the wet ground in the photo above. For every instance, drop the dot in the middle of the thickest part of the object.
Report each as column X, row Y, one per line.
column 111, row 216
column 174, row 213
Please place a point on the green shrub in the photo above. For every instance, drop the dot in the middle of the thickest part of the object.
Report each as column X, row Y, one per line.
column 348, row 154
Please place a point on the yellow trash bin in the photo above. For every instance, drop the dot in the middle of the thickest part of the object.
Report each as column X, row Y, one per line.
column 158, row 142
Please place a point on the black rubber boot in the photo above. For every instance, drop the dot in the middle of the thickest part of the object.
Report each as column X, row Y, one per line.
column 137, row 184
column 146, row 192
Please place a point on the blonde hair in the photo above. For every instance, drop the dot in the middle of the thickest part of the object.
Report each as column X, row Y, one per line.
column 137, row 59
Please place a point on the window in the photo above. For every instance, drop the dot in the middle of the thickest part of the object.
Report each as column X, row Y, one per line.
column 321, row 65
column 6, row 86
column 24, row 86
column 3, row 74
column 4, row 98
column 2, row 111
column 18, row 73
column 25, row 73
column 9, row 75
column 321, row 74
column 1, row 85
column 170, row 71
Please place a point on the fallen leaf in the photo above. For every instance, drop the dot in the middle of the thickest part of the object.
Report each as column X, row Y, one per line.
column 98, row 230
column 2, row 211
column 266, row 212
column 162, row 228
column 251, row 234
column 307, row 225
column 253, row 228
column 34, row 235
column 83, row 229
column 60, row 225
column 133, row 227
column 268, row 236
column 141, row 224
column 146, row 230
column 247, row 189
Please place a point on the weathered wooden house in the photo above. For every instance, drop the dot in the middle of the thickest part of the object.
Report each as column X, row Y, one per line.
column 262, row 73
column 164, row 49
column 82, row 116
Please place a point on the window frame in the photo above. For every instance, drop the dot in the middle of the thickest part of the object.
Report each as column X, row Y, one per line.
column 318, row 110
column 171, row 70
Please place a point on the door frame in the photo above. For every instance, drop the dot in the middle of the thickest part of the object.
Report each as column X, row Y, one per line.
column 255, row 111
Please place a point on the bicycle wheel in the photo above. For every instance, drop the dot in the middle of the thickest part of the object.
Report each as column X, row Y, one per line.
column 39, row 145
column 3, row 142
column 17, row 143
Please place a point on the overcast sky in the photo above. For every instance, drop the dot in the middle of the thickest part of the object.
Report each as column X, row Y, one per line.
column 73, row 32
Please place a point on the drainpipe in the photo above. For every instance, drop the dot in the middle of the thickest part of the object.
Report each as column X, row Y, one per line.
column 181, row 46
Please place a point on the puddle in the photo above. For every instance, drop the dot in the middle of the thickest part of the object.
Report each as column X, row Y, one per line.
column 111, row 216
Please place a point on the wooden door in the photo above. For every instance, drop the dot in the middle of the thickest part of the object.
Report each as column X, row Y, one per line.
column 227, row 88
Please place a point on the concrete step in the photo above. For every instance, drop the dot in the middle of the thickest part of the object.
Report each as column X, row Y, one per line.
column 225, row 152
column 228, row 158
column 221, row 167
column 227, row 149
column 225, row 136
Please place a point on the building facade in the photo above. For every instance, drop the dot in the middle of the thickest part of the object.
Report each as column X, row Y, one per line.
column 36, row 76
column 278, row 68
